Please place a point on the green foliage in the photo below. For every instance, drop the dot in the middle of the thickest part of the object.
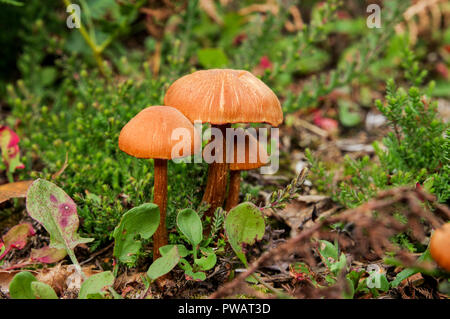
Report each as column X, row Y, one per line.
column 20, row 286
column 359, row 281
column 101, row 179
column 164, row 264
column 43, row 291
column 417, row 151
column 142, row 222
column 93, row 287
column 25, row 286
column 244, row 224
column 190, row 225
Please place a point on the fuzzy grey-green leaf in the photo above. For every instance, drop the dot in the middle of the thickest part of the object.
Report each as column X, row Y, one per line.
column 57, row 212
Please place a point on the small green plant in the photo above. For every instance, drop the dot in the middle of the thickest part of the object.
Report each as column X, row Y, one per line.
column 25, row 286
column 359, row 281
column 136, row 225
column 416, row 152
column 56, row 211
column 203, row 257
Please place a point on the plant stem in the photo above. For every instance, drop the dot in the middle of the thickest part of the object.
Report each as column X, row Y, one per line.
column 216, row 183
column 75, row 263
column 96, row 50
column 233, row 190
column 160, row 198
column 274, row 290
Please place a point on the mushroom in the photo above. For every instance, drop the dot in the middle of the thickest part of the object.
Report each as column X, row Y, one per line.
column 440, row 246
column 222, row 97
column 255, row 156
column 149, row 135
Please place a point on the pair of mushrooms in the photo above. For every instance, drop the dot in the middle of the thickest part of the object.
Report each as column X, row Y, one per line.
column 220, row 97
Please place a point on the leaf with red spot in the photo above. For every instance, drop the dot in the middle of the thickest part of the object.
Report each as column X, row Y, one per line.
column 17, row 237
column 9, row 146
column 57, row 212
column 47, row 255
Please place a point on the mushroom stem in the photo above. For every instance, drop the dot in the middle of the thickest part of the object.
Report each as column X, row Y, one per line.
column 160, row 199
column 233, row 190
column 216, row 183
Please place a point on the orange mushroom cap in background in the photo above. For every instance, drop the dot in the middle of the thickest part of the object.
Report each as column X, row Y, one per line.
column 440, row 246
column 149, row 134
column 224, row 96
column 250, row 143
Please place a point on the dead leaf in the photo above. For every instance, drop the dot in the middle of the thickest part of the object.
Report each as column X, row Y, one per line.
column 17, row 237
column 62, row 169
column 13, row 190
column 303, row 211
column 47, row 255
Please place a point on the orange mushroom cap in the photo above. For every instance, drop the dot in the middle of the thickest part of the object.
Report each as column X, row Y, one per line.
column 246, row 142
column 440, row 246
column 224, row 96
column 149, row 134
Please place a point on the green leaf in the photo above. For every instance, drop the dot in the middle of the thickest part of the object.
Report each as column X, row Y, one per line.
column 244, row 224
column 164, row 264
column 20, row 286
column 95, row 285
column 57, row 212
column 328, row 250
column 408, row 272
column 340, row 265
column 196, row 276
column 208, row 262
column 12, row 2
column 143, row 221
column 212, row 58
column 348, row 117
column 190, row 225
column 182, row 251
column 43, row 291
column 349, row 294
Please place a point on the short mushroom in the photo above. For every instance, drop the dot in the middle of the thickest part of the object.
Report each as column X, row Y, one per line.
column 222, row 97
column 255, row 156
column 440, row 246
column 149, row 135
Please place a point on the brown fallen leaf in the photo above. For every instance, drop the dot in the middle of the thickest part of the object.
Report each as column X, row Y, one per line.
column 303, row 211
column 13, row 190
column 414, row 280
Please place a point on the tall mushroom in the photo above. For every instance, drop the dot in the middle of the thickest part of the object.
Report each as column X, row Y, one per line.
column 149, row 135
column 248, row 154
column 222, row 97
